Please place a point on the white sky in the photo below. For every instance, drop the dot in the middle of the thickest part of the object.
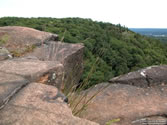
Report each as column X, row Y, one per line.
column 131, row 13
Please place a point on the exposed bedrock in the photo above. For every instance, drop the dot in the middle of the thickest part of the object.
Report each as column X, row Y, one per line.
column 129, row 104
column 39, row 104
column 30, row 62
column 147, row 77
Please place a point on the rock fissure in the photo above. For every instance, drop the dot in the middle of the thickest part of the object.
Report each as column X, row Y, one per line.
column 152, row 119
column 9, row 97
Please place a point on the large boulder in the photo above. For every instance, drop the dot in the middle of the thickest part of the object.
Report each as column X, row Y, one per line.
column 30, row 43
column 129, row 104
column 20, row 40
column 69, row 55
column 39, row 104
column 147, row 77
column 42, row 60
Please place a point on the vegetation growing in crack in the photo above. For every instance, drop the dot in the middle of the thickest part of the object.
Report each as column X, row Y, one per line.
column 4, row 39
column 18, row 53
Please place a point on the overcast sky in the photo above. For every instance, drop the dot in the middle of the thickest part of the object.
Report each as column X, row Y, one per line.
column 131, row 13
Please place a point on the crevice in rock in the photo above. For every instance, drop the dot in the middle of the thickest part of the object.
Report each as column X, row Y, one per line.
column 148, row 80
column 9, row 97
column 152, row 119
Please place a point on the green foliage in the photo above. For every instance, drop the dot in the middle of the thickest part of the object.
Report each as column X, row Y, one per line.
column 112, row 121
column 119, row 50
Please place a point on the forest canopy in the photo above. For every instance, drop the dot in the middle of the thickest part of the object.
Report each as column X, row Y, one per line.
column 111, row 50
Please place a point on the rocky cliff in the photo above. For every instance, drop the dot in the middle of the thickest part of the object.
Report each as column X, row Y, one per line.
column 34, row 68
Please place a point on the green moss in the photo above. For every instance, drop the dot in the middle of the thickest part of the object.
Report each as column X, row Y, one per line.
column 4, row 39
column 19, row 53
column 112, row 121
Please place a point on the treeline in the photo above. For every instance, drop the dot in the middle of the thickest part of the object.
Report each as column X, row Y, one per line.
column 110, row 50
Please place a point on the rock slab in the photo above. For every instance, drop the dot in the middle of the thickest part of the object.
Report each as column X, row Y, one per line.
column 39, row 104
column 18, row 38
column 34, row 70
column 125, row 102
column 69, row 55
column 147, row 77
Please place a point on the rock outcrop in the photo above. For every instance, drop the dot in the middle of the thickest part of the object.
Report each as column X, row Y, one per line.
column 147, row 77
column 18, row 39
column 135, row 98
column 69, row 55
column 39, row 104
column 31, row 80
column 25, row 96
column 125, row 102
column 33, row 44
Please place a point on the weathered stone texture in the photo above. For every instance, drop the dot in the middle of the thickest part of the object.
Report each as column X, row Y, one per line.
column 19, row 38
column 39, row 104
column 147, row 77
column 33, row 70
column 70, row 55
column 9, row 85
column 126, row 102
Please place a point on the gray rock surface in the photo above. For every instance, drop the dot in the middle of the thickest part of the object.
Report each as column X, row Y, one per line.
column 147, row 77
column 37, row 104
column 125, row 102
